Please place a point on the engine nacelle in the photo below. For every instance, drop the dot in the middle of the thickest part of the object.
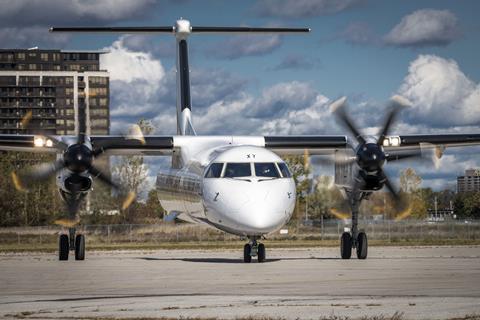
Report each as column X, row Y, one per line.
column 73, row 182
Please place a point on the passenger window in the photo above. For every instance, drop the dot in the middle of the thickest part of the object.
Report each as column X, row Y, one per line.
column 234, row 170
column 266, row 169
column 284, row 170
column 214, row 171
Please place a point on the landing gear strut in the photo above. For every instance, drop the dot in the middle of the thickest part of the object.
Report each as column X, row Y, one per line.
column 72, row 241
column 354, row 239
column 252, row 249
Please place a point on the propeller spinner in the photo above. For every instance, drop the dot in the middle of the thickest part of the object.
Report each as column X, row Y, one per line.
column 370, row 155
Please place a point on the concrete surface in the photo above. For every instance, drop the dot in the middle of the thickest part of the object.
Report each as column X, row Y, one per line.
column 420, row 282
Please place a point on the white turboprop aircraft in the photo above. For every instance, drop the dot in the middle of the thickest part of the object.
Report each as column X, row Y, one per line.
column 238, row 184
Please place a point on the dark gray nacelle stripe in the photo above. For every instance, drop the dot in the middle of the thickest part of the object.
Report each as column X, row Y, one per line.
column 23, row 141
column 439, row 139
column 307, row 142
column 184, row 76
column 119, row 143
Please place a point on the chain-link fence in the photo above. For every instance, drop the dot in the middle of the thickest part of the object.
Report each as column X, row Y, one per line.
column 389, row 231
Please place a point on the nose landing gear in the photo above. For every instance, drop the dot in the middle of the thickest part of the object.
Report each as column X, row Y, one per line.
column 71, row 242
column 355, row 239
column 347, row 242
column 252, row 249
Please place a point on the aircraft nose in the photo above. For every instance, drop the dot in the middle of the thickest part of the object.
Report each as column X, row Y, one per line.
column 268, row 206
column 260, row 218
column 249, row 206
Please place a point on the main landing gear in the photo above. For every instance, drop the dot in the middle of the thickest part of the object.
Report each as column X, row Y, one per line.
column 360, row 243
column 72, row 241
column 355, row 239
column 252, row 249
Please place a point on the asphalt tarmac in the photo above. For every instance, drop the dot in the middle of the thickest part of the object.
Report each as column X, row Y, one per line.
column 418, row 282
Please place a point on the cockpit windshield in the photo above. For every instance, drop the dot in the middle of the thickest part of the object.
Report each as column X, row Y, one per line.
column 214, row 171
column 266, row 169
column 284, row 169
column 234, row 170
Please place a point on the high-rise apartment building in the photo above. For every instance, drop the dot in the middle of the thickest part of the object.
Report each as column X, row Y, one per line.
column 47, row 88
column 470, row 182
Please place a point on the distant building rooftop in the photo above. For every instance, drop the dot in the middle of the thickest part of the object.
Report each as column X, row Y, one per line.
column 54, row 50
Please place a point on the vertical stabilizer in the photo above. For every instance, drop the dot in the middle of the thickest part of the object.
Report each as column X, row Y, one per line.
column 184, row 107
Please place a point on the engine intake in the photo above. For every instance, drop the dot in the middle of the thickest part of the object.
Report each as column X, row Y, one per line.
column 77, row 183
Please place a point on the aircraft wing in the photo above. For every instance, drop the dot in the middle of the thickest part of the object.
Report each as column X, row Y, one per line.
column 314, row 145
column 114, row 145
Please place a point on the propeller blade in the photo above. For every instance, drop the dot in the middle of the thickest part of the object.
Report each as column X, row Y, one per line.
column 433, row 153
column 338, row 107
column 403, row 214
column 82, row 124
column 397, row 103
column 17, row 182
column 339, row 214
column 96, row 173
column 424, row 153
column 67, row 222
column 135, row 133
column 391, row 189
column 26, row 119
column 37, row 173
column 129, row 199
column 328, row 160
column 306, row 159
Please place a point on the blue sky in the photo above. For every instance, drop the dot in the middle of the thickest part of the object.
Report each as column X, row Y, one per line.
column 342, row 64
column 367, row 50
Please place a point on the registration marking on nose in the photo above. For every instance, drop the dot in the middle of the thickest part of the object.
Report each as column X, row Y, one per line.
column 216, row 196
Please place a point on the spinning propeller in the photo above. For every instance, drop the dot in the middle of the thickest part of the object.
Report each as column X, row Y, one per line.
column 77, row 159
column 370, row 155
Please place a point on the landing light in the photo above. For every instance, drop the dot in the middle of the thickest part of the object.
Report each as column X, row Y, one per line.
column 391, row 142
column 395, row 141
column 39, row 142
column 42, row 142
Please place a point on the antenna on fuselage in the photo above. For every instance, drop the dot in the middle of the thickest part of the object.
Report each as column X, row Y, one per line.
column 182, row 29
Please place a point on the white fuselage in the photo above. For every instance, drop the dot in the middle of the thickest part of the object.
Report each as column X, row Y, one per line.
column 242, row 189
column 251, row 198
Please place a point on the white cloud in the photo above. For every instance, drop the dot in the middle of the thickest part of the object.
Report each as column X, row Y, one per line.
column 426, row 27
column 441, row 94
column 282, row 97
column 19, row 12
column 137, row 81
column 314, row 119
column 127, row 65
